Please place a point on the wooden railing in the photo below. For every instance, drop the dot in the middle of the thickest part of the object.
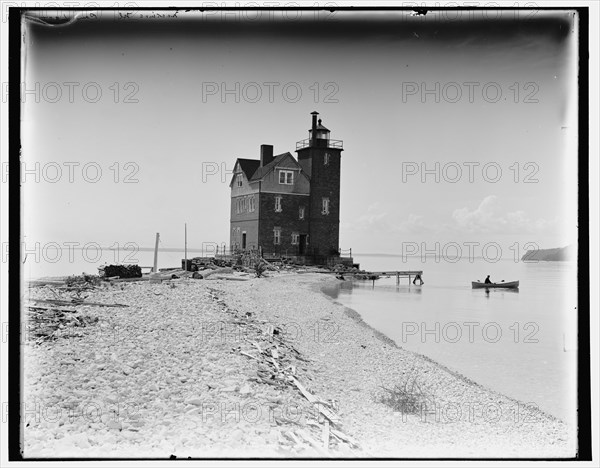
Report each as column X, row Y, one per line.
column 346, row 252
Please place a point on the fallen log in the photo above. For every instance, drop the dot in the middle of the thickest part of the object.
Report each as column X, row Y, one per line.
column 231, row 278
column 78, row 303
column 127, row 280
column 207, row 274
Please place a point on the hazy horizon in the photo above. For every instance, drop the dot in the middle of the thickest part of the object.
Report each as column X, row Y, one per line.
column 158, row 128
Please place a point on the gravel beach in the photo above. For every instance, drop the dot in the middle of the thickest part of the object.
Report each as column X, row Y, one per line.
column 258, row 367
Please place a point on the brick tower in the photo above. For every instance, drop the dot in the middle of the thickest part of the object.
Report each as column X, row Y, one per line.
column 320, row 159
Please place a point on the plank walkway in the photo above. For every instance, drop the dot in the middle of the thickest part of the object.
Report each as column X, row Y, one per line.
column 396, row 273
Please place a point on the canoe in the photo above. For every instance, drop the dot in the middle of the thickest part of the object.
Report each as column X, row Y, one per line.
column 509, row 285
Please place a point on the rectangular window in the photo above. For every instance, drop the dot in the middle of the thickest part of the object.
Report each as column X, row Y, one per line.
column 276, row 236
column 252, row 203
column 286, row 177
column 239, row 180
column 325, row 208
column 295, row 238
column 326, row 159
column 301, row 213
column 278, row 204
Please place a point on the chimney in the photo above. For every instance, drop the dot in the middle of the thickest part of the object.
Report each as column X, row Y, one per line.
column 266, row 154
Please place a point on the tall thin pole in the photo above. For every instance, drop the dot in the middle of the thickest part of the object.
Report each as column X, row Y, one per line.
column 155, row 269
column 186, row 265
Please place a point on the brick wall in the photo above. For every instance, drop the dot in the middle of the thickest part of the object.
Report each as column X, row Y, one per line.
column 325, row 182
column 287, row 220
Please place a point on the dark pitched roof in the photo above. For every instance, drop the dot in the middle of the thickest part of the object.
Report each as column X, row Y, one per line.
column 249, row 166
column 262, row 171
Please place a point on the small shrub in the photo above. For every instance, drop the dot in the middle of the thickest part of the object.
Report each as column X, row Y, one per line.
column 406, row 397
column 259, row 268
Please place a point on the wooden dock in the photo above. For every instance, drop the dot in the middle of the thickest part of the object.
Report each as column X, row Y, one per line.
column 376, row 274
column 402, row 274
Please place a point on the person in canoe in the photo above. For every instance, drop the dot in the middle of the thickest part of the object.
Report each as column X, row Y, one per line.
column 487, row 280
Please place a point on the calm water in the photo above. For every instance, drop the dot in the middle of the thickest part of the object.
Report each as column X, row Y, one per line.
column 522, row 344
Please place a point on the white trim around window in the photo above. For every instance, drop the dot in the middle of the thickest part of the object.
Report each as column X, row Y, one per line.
column 276, row 236
column 286, row 177
column 325, row 206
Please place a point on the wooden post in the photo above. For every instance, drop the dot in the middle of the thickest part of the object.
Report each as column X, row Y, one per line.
column 155, row 269
column 186, row 265
column 397, row 277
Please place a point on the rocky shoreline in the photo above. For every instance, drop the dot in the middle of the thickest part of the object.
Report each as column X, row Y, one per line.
column 267, row 367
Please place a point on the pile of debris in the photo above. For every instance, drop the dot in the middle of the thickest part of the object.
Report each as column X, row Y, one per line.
column 53, row 311
column 342, row 271
column 44, row 323
column 121, row 271
column 278, row 364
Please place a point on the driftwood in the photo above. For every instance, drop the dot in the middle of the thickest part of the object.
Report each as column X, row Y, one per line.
column 231, row 278
column 275, row 367
column 344, row 437
column 34, row 283
column 334, row 418
column 207, row 274
column 325, row 434
column 127, row 280
column 318, row 447
column 76, row 303
column 53, row 309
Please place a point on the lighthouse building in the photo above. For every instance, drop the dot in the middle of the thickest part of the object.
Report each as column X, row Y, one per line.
column 290, row 207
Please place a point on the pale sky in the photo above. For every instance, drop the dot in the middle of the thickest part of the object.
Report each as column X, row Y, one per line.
column 369, row 72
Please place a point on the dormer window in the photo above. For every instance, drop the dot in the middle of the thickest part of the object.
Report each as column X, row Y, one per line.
column 286, row 177
column 239, row 180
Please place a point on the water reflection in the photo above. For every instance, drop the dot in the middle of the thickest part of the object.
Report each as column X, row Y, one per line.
column 495, row 292
column 346, row 287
